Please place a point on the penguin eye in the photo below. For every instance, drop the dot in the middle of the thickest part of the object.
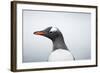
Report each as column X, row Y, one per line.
column 50, row 32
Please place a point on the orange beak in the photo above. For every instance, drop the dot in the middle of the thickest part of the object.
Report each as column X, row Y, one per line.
column 39, row 33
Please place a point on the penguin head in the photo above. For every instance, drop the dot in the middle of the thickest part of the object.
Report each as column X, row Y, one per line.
column 50, row 32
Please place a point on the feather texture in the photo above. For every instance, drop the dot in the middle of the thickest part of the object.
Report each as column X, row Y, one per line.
column 60, row 55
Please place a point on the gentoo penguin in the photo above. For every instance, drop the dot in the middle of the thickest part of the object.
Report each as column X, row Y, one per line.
column 60, row 51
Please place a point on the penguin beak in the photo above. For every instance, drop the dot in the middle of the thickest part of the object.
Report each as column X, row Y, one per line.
column 39, row 33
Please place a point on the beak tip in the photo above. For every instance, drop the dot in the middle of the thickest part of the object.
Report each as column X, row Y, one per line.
column 38, row 33
column 34, row 32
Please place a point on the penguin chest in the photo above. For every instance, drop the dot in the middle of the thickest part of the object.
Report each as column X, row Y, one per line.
column 60, row 55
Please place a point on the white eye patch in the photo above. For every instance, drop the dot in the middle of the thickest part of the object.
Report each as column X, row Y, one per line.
column 53, row 29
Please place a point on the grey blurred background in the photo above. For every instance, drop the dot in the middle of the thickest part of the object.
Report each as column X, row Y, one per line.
column 76, row 29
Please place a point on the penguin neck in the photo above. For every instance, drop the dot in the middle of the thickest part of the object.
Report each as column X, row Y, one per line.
column 59, row 43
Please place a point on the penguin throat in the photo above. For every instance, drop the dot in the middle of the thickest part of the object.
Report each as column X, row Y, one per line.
column 59, row 43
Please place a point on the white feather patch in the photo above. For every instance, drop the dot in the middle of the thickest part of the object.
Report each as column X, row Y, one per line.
column 60, row 55
column 53, row 29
